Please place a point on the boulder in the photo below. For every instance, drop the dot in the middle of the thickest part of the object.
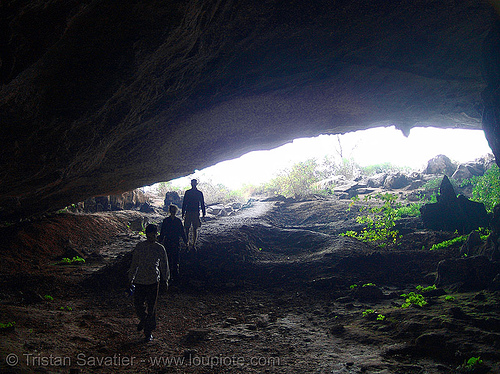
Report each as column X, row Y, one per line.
column 376, row 180
column 467, row 273
column 146, row 208
column 138, row 224
column 331, row 182
column 440, row 164
column 468, row 170
column 396, row 181
column 368, row 293
column 171, row 197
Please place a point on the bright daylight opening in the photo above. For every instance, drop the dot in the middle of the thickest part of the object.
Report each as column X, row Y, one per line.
column 365, row 148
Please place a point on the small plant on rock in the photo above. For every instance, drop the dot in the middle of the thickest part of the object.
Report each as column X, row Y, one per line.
column 368, row 312
column 71, row 261
column 448, row 243
column 7, row 326
column 472, row 365
column 413, row 298
column 426, row 289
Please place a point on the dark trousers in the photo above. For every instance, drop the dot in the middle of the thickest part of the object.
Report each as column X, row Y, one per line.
column 145, row 295
column 173, row 254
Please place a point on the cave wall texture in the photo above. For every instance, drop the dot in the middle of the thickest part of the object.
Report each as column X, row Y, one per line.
column 103, row 96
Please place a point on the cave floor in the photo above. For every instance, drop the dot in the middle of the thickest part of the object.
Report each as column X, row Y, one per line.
column 270, row 290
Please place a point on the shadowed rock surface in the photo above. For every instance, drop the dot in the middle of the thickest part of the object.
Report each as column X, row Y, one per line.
column 100, row 97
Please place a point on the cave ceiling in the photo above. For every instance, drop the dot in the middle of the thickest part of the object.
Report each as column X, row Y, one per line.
column 100, row 97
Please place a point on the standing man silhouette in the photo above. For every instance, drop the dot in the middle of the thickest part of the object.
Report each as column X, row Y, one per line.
column 170, row 233
column 193, row 201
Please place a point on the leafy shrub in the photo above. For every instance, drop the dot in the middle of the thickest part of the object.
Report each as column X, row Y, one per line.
column 346, row 167
column 413, row 298
column 410, row 210
column 296, row 182
column 486, row 188
column 379, row 221
column 434, row 184
column 385, row 167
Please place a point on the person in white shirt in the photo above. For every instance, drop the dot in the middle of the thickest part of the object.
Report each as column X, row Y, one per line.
column 149, row 266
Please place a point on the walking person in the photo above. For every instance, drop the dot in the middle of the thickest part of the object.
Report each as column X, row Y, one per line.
column 170, row 233
column 192, row 203
column 149, row 266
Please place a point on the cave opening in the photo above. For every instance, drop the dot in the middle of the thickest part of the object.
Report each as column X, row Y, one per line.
column 368, row 149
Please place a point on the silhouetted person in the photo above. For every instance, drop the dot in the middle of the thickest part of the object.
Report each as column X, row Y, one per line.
column 170, row 233
column 191, row 205
column 149, row 265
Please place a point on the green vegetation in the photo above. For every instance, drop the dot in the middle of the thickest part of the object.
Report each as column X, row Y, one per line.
column 449, row 243
column 483, row 234
column 369, row 285
column 298, row 181
column 409, row 210
column 379, row 220
column 413, row 298
column 48, row 298
column 66, row 308
column 486, row 188
column 385, row 167
column 353, row 286
column 426, row 289
column 368, row 312
column 8, row 325
column 432, row 186
column 71, row 261
column 471, row 365
column 449, row 298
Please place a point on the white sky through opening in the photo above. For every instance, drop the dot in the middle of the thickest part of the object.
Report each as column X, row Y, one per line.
column 366, row 147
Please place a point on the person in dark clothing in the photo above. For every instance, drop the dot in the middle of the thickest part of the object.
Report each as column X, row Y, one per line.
column 192, row 203
column 170, row 233
column 149, row 265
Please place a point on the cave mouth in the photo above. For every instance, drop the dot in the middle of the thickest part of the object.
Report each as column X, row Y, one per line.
column 375, row 146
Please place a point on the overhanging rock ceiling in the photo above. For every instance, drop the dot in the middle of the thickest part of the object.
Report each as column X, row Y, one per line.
column 100, row 97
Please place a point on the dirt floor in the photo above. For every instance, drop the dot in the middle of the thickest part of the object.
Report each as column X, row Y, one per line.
column 271, row 289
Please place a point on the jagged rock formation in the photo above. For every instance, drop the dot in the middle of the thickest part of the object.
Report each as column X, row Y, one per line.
column 452, row 212
column 100, row 97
